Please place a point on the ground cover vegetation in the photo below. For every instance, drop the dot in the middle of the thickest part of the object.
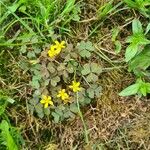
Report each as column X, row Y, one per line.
column 74, row 74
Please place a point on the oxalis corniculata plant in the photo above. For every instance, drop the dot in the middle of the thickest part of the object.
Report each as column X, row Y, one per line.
column 57, row 77
column 64, row 78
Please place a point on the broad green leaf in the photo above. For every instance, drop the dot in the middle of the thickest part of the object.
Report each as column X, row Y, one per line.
column 131, row 90
column 143, row 90
column 137, row 26
column 131, row 51
column 141, row 61
column 6, row 136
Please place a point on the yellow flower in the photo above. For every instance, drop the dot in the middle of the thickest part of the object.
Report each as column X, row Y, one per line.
column 52, row 52
column 63, row 95
column 59, row 46
column 46, row 100
column 75, row 86
column 56, row 49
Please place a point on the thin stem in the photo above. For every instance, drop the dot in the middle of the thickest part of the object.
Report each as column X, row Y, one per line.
column 84, row 125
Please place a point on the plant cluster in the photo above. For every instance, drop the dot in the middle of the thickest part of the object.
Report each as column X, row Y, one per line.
column 61, row 74
column 138, row 57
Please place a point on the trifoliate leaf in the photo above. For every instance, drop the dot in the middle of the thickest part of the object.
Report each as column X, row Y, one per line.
column 92, row 77
column 51, row 67
column 89, row 46
column 86, row 69
column 95, row 68
column 31, row 54
column 56, row 117
column 85, row 53
column 74, row 108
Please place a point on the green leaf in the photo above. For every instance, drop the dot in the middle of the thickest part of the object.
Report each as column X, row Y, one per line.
column 35, row 84
column 85, row 53
column 92, row 77
column 39, row 108
column 47, row 111
column 131, row 51
column 96, row 68
column 89, row 46
column 141, row 61
column 31, row 54
column 115, row 32
column 55, row 80
column 86, row 69
column 10, row 100
column 137, row 26
column 74, row 108
column 23, row 49
column 131, row 90
column 70, row 4
column 147, row 29
column 51, row 67
column 143, row 90
column 117, row 47
column 56, row 117
column 6, row 136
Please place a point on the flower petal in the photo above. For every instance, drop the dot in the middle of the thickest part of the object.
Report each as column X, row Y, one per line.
column 42, row 101
column 57, row 43
column 46, row 105
column 51, row 103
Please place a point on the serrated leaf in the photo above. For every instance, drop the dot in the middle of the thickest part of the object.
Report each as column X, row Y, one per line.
column 130, row 90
